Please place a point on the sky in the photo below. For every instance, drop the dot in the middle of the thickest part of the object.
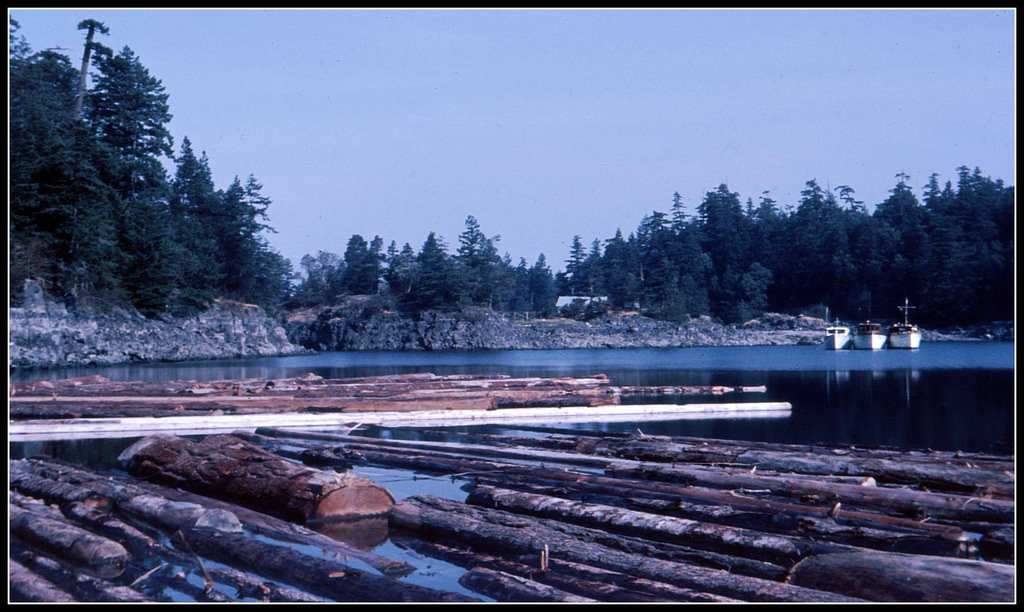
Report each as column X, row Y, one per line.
column 548, row 124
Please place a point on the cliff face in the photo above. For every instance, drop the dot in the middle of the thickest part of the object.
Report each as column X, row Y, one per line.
column 45, row 334
column 346, row 327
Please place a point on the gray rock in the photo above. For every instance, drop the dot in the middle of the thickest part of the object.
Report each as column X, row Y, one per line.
column 45, row 334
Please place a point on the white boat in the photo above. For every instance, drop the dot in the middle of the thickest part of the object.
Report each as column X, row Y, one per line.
column 869, row 336
column 904, row 335
column 837, row 336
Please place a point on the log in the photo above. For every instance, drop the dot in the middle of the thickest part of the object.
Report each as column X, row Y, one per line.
column 870, row 575
column 438, row 518
column 28, row 586
column 97, row 555
column 322, row 577
column 172, row 509
column 583, row 580
column 703, row 535
column 933, row 470
column 900, row 501
column 465, row 466
column 509, row 588
column 250, row 587
column 770, row 519
column 81, row 586
column 227, row 467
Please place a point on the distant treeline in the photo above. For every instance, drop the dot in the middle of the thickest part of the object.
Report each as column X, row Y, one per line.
column 93, row 215
column 951, row 256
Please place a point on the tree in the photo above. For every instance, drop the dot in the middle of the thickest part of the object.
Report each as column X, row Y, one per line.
column 92, row 26
column 479, row 265
column 435, row 288
column 200, row 227
column 542, row 287
column 362, row 266
column 574, row 267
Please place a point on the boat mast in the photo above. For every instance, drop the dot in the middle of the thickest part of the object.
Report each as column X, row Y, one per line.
column 905, row 307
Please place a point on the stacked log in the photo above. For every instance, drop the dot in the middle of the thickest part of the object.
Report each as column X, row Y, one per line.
column 568, row 517
column 154, row 544
column 95, row 396
column 224, row 466
column 727, row 514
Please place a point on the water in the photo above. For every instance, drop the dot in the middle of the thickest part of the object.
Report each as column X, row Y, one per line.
column 944, row 396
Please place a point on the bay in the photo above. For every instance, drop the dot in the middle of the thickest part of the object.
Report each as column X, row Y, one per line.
column 944, row 396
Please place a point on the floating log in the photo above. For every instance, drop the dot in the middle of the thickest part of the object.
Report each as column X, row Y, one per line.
column 323, row 577
column 903, row 501
column 755, row 510
column 583, row 580
column 227, row 467
column 934, row 470
column 439, row 518
column 172, row 509
column 904, row 578
column 709, row 536
column 98, row 555
column 82, row 587
column 96, row 397
column 28, row 586
column 210, row 533
column 507, row 587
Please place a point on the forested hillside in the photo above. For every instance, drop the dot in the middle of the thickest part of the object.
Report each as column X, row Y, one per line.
column 95, row 216
column 950, row 255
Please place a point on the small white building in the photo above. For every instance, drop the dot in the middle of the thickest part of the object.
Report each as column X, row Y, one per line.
column 566, row 300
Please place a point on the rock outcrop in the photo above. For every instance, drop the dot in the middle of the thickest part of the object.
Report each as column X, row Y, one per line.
column 349, row 327
column 44, row 333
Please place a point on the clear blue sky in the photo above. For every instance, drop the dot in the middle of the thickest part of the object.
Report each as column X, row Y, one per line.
column 544, row 124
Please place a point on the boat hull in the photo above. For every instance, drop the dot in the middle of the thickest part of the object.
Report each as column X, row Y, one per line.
column 905, row 340
column 837, row 341
column 869, row 342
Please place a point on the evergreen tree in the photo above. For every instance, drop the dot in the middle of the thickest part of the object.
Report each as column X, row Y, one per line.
column 198, row 221
column 362, row 266
column 542, row 287
column 620, row 269
column 574, row 267
column 436, row 287
column 402, row 270
column 127, row 110
column 480, row 268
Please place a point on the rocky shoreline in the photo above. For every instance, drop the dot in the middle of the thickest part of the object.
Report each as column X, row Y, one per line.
column 356, row 325
column 47, row 334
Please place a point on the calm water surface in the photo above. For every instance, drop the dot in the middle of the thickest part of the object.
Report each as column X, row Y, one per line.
column 949, row 396
column 946, row 395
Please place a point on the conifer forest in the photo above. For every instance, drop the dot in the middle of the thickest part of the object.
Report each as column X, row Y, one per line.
column 106, row 209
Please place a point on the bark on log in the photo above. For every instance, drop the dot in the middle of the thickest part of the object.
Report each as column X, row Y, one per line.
column 707, row 536
column 81, row 586
column 899, row 501
column 320, row 576
column 96, row 554
column 28, row 586
column 509, row 588
column 435, row 517
column 770, row 519
column 583, row 580
column 936, row 471
column 869, row 575
column 250, row 587
column 172, row 509
column 227, row 467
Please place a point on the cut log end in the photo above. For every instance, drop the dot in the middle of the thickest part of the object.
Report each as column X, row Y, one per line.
column 354, row 498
